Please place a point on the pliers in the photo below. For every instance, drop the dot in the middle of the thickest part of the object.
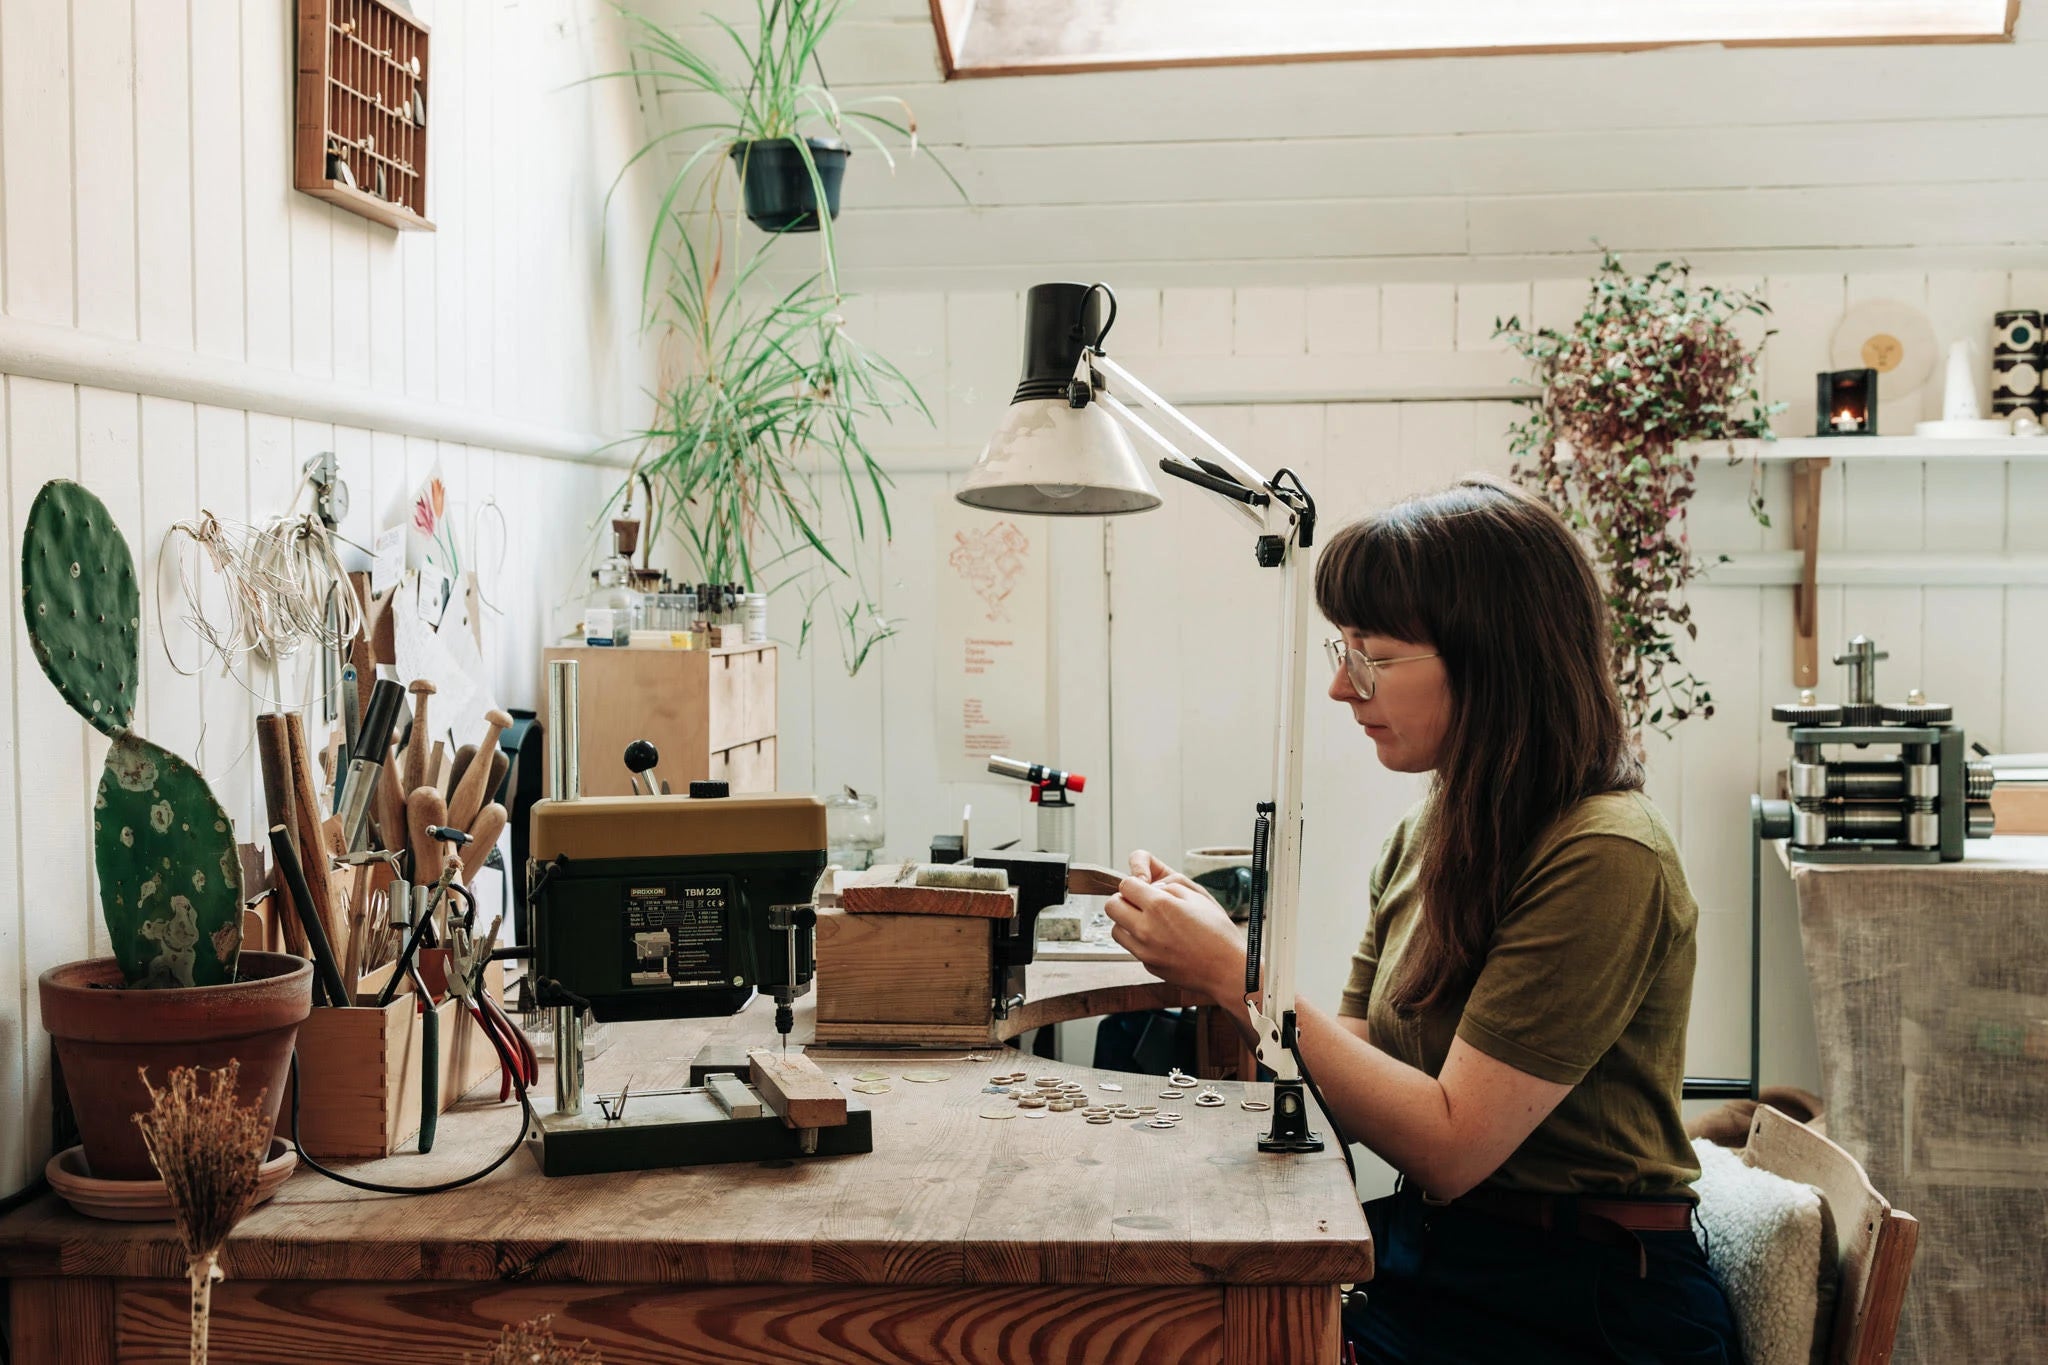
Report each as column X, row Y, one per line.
column 466, row 961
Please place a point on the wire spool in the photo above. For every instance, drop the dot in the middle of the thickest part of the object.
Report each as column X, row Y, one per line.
column 1807, row 713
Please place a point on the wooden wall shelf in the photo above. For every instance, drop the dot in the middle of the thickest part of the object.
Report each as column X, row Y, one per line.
column 363, row 102
column 1848, row 449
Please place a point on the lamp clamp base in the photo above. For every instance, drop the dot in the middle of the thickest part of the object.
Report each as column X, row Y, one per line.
column 1290, row 1131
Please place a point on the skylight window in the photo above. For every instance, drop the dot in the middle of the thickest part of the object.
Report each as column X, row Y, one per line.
column 1022, row 37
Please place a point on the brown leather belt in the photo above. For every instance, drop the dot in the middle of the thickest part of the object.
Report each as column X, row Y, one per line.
column 1612, row 1222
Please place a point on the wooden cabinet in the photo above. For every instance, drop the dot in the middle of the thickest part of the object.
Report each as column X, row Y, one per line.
column 710, row 712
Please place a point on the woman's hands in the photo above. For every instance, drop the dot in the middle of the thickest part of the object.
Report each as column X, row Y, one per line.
column 1178, row 930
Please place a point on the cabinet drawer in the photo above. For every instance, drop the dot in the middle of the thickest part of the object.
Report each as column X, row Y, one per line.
column 742, row 696
column 747, row 767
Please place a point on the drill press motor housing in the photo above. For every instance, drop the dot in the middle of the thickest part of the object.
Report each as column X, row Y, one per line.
column 676, row 907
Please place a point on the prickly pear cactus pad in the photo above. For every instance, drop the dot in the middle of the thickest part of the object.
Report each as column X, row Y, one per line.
column 82, row 604
column 170, row 883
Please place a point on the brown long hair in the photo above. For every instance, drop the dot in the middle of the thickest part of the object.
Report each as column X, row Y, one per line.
column 1496, row 583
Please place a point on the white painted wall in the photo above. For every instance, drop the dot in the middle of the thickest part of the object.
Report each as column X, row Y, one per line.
column 145, row 174
column 1473, row 168
column 1170, row 694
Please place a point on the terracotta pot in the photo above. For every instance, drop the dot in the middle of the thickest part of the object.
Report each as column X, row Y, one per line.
column 103, row 1034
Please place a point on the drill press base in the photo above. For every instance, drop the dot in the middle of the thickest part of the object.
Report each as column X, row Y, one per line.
column 684, row 1128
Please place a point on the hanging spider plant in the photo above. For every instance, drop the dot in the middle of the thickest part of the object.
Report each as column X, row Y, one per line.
column 763, row 424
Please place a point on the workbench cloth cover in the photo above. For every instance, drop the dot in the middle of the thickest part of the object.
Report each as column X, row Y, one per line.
column 1930, row 1004
column 1763, row 1235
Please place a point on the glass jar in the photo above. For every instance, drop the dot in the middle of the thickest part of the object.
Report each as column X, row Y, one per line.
column 853, row 830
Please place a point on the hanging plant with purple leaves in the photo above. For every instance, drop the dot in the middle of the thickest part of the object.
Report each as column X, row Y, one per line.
column 1651, row 366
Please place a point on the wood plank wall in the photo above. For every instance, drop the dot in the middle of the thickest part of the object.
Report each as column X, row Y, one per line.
column 145, row 182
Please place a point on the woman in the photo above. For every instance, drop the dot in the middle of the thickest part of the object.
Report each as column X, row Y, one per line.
column 1512, row 1038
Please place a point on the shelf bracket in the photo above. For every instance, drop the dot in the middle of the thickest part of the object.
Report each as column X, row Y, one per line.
column 1806, row 539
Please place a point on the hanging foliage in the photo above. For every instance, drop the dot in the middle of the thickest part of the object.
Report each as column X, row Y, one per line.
column 1652, row 367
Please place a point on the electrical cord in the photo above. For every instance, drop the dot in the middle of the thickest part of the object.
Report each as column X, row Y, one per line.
column 1336, row 1129
column 527, row 1120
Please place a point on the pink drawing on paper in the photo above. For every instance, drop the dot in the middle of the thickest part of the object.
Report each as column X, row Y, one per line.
column 992, row 561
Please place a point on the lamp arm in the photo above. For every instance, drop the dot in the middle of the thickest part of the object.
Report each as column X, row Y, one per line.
column 1242, row 472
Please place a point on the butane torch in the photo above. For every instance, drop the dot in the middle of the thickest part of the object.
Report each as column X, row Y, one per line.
column 1050, row 789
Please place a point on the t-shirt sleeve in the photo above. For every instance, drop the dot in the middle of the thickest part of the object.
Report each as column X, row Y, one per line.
column 1365, row 962
column 1572, row 959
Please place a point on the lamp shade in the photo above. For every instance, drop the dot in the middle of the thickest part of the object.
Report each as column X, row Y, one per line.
column 1048, row 458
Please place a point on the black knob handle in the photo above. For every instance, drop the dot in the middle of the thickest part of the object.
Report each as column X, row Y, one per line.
column 641, row 755
column 700, row 790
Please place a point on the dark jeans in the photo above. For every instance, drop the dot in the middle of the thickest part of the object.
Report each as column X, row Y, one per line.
column 1454, row 1286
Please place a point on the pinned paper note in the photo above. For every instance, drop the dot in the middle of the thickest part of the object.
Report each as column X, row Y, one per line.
column 994, row 585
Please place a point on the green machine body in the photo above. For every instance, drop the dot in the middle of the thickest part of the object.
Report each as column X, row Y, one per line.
column 676, row 907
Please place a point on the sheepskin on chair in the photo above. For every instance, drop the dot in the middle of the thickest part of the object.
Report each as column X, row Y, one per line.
column 1765, row 1237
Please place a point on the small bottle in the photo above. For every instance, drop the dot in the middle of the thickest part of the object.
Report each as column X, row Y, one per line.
column 609, row 613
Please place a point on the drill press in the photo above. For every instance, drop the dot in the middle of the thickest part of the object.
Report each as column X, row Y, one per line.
column 673, row 907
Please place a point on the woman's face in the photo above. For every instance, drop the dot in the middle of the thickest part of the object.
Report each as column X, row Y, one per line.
column 1410, row 707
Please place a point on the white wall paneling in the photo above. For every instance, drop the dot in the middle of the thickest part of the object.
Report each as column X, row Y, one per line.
column 180, row 330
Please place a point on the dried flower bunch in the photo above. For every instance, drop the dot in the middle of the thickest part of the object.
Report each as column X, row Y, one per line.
column 1652, row 364
column 208, row 1149
column 533, row 1343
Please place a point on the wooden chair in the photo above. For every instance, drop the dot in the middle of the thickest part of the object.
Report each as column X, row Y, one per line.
column 1874, row 1241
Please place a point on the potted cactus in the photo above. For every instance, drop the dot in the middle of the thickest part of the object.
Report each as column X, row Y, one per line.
column 178, row 990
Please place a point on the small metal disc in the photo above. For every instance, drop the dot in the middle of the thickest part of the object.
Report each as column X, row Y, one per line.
column 871, row 1088
column 927, row 1077
column 871, row 1075
column 1033, row 1113
column 1112, row 1087
column 1002, row 1113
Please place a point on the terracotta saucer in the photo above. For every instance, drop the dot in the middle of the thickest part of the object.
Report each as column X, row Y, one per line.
column 145, row 1201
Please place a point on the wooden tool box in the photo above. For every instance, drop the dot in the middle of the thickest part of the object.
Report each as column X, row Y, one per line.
column 361, row 1067
column 899, row 963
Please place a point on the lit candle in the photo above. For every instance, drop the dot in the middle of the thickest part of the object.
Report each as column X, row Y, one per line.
column 1846, row 421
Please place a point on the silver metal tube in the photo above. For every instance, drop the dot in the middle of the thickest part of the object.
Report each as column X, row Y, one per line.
column 564, row 743
column 568, row 1059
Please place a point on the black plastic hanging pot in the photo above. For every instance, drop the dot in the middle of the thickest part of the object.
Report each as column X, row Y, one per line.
column 777, row 185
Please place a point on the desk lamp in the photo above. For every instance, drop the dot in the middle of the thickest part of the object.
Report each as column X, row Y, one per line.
column 1062, row 450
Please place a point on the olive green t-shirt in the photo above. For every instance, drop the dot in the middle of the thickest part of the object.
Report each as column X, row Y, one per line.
column 1587, row 983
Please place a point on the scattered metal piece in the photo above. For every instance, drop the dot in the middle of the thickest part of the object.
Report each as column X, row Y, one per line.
column 926, row 1077
column 1100, row 1118
column 1033, row 1113
column 1209, row 1099
column 1171, row 1094
column 1126, row 1112
column 871, row 1088
column 1111, row 1086
column 871, row 1075
column 1003, row 1113
column 1031, row 1102
column 1146, row 1109
column 1256, row 1106
column 1180, row 1079
column 1164, row 1123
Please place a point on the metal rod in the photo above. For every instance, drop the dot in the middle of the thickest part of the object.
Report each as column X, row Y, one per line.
column 564, row 743
column 568, row 1059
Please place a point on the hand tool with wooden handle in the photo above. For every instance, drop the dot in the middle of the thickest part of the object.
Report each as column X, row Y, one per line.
column 416, row 746
column 484, row 832
column 461, row 765
column 312, row 846
column 273, row 747
column 469, row 794
column 391, row 827
column 424, row 808
column 325, row 971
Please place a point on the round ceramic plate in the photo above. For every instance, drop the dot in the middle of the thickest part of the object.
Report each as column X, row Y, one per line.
column 1893, row 338
column 144, row 1201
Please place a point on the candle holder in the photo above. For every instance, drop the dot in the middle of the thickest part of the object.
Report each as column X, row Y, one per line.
column 1845, row 403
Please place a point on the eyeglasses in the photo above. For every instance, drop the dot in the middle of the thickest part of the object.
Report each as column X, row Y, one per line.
column 1361, row 668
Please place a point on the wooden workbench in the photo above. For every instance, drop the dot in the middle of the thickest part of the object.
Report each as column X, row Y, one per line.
column 958, row 1239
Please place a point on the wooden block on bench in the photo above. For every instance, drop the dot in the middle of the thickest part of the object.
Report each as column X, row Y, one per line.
column 886, row 891
column 792, row 1085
